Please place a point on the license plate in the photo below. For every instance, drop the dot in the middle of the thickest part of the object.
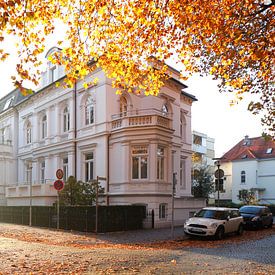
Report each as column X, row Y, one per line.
column 197, row 230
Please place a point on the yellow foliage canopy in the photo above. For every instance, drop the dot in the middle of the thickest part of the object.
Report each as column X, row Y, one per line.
column 231, row 39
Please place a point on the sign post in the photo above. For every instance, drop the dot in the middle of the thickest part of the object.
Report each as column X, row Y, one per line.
column 58, row 185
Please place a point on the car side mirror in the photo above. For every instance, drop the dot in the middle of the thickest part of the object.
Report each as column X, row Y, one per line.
column 195, row 215
column 228, row 218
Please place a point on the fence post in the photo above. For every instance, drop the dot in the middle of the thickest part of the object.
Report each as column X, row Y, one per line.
column 153, row 218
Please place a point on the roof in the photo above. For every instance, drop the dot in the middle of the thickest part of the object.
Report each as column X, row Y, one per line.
column 251, row 148
column 11, row 99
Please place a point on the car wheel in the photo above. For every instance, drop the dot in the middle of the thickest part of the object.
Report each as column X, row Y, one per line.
column 219, row 233
column 240, row 229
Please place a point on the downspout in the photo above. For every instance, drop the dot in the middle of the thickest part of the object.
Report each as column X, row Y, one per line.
column 108, row 170
column 75, row 132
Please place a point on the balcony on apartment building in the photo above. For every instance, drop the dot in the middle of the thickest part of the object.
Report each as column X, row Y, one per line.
column 5, row 147
column 141, row 118
column 39, row 189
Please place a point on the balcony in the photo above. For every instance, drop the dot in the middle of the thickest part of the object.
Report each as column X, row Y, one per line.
column 141, row 118
column 5, row 147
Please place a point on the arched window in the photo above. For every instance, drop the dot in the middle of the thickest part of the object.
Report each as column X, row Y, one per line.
column 164, row 110
column 89, row 111
column 44, row 127
column 123, row 106
column 66, row 120
column 243, row 177
column 28, row 133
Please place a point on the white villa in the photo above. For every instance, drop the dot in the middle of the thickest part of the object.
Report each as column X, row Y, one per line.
column 136, row 142
column 250, row 165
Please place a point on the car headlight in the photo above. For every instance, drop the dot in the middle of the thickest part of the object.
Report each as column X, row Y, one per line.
column 213, row 225
column 255, row 219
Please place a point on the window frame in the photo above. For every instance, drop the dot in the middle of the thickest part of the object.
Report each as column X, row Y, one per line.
column 89, row 111
column 139, row 156
column 243, row 177
column 66, row 119
column 163, row 211
column 88, row 162
column 44, row 126
column 42, row 172
column 65, row 166
column 161, row 163
column 28, row 133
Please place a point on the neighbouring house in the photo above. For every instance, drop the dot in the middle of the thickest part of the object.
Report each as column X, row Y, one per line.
column 136, row 142
column 203, row 148
column 250, row 165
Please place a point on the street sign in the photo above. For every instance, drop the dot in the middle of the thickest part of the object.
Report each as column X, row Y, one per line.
column 58, row 185
column 59, row 174
column 217, row 173
column 101, row 178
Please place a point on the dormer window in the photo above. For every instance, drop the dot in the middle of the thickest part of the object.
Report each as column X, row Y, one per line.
column 52, row 74
column 244, row 156
column 269, row 150
column 8, row 103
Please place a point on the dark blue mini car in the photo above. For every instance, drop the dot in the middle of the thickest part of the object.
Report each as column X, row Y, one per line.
column 256, row 216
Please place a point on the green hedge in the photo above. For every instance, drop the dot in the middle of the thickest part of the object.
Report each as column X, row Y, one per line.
column 79, row 218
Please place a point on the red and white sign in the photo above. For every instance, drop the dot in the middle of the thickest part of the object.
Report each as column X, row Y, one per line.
column 58, row 185
column 59, row 174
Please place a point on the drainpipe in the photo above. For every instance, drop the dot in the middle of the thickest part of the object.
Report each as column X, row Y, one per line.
column 75, row 133
column 108, row 169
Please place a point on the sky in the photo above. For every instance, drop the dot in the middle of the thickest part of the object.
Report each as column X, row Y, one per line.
column 211, row 114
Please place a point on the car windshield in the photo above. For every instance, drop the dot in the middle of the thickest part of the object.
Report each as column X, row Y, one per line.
column 211, row 214
column 250, row 210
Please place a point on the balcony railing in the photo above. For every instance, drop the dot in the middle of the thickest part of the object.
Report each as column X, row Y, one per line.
column 141, row 117
column 35, row 182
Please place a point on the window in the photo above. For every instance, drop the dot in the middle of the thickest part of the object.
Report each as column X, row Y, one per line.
column 8, row 103
column 243, row 177
column 42, row 172
column 269, row 150
column 2, row 136
column 182, row 173
column 28, row 133
column 139, row 162
column 160, row 163
column 123, row 106
column 65, row 168
column 66, row 120
column 197, row 140
column 52, row 74
column 163, row 211
column 182, row 126
column 44, row 126
column 89, row 167
column 29, row 172
column 164, row 110
column 89, row 111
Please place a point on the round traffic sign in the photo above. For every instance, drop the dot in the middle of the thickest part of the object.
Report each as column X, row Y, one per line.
column 217, row 173
column 59, row 174
column 58, row 185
